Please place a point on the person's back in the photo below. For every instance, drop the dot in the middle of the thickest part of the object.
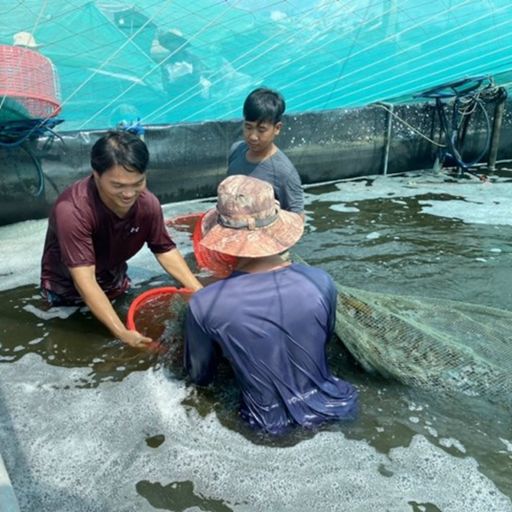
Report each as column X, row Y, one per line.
column 275, row 346
column 258, row 156
column 271, row 319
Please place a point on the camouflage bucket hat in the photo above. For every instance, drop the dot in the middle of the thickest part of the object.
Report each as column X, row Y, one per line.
column 248, row 221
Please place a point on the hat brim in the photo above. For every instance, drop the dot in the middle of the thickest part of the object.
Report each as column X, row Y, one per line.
column 275, row 238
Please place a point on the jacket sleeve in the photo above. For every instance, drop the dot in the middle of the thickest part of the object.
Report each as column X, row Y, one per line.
column 200, row 358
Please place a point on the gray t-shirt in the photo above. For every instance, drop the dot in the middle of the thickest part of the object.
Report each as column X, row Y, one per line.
column 276, row 170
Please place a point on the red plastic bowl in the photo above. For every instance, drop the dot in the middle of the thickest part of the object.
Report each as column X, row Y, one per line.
column 144, row 297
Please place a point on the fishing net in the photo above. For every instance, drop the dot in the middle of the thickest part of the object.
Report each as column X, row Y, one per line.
column 430, row 343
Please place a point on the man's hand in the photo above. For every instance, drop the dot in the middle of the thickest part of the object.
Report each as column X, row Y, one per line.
column 135, row 339
column 85, row 282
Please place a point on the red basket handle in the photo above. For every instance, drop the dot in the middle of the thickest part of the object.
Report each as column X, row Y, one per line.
column 144, row 296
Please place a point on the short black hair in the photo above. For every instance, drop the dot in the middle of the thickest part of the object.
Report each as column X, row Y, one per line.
column 119, row 148
column 264, row 105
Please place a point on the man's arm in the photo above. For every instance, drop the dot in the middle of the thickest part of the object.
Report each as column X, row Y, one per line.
column 84, row 279
column 294, row 194
column 199, row 355
column 174, row 264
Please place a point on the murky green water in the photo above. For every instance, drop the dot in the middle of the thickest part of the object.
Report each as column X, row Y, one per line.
column 89, row 424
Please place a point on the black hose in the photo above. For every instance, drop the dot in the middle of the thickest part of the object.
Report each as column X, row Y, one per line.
column 14, row 134
column 452, row 133
column 480, row 104
column 39, row 172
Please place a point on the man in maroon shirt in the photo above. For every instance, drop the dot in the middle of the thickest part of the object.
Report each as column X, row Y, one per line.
column 100, row 222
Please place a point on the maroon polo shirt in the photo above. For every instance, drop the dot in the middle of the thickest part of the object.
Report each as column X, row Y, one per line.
column 82, row 231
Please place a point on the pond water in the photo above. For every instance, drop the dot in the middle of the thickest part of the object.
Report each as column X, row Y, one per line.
column 91, row 425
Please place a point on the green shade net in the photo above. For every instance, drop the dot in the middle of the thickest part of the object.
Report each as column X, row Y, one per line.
column 173, row 61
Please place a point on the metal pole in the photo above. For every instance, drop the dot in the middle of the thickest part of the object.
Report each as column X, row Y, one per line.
column 387, row 140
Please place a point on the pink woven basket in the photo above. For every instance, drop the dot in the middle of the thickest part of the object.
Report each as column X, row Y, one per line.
column 29, row 78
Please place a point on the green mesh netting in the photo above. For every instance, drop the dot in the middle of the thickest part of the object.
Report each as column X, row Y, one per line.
column 172, row 61
column 431, row 343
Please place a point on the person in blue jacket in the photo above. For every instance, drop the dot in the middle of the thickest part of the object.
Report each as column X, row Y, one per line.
column 271, row 318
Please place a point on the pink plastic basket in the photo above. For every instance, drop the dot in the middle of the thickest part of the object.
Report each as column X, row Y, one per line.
column 30, row 79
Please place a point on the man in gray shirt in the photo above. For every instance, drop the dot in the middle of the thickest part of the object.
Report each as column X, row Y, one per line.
column 259, row 157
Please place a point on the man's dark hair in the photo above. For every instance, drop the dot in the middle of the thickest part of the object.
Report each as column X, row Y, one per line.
column 119, row 148
column 264, row 105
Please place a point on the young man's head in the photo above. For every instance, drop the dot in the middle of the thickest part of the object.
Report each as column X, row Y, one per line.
column 119, row 148
column 264, row 105
column 119, row 161
column 263, row 110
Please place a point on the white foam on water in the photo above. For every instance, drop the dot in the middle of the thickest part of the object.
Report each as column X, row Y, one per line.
column 508, row 444
column 344, row 208
column 489, row 210
column 70, row 448
column 35, row 341
column 474, row 202
column 55, row 312
column 21, row 247
column 450, row 442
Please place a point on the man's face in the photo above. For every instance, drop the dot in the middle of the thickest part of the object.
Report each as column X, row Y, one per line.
column 260, row 135
column 119, row 189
